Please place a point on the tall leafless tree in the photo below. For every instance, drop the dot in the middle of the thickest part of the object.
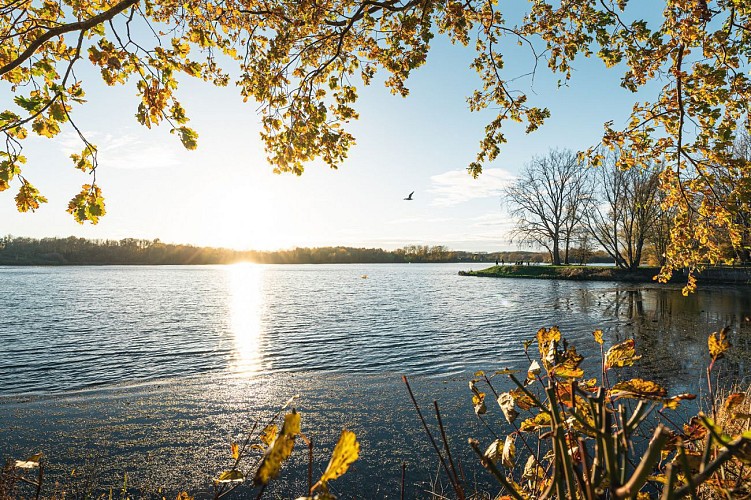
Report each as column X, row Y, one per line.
column 546, row 202
column 623, row 209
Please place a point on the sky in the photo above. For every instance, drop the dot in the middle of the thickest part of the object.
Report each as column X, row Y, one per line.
column 225, row 194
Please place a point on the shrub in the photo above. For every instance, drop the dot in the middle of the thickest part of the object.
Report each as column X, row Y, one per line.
column 575, row 437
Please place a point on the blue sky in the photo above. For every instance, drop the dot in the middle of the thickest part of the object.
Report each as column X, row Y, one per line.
column 225, row 194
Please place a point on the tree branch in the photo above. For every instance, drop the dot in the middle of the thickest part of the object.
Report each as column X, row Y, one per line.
column 66, row 28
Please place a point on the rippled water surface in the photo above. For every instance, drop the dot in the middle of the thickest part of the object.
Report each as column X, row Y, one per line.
column 66, row 328
column 151, row 371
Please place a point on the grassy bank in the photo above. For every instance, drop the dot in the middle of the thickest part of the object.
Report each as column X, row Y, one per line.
column 580, row 273
column 723, row 275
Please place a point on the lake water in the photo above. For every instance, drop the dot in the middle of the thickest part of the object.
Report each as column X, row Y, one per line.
column 92, row 356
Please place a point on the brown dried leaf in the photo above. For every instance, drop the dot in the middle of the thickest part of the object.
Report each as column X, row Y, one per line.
column 506, row 402
column 638, row 388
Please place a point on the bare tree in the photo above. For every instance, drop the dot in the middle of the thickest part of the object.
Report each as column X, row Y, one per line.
column 623, row 209
column 546, row 202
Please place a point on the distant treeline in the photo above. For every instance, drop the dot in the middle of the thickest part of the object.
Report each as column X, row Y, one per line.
column 81, row 251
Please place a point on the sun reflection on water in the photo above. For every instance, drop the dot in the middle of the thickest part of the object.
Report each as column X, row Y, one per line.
column 246, row 306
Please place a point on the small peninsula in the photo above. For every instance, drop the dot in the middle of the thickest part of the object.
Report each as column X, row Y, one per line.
column 726, row 275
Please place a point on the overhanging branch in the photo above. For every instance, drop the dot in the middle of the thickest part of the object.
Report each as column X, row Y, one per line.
column 66, row 28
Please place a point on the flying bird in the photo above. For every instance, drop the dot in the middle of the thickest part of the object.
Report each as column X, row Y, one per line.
column 409, row 198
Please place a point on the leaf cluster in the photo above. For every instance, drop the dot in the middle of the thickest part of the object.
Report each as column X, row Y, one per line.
column 574, row 437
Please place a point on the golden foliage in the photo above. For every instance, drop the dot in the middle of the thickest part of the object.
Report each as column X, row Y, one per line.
column 638, row 388
column 718, row 344
column 279, row 450
column 346, row 451
column 620, row 355
column 230, row 476
column 597, row 334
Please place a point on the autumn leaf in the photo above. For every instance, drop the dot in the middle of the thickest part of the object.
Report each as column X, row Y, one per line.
column 638, row 388
column 718, row 344
column 188, row 137
column 534, row 370
column 716, row 430
column 508, row 456
column 506, row 402
column 532, row 470
column 620, row 355
column 505, row 371
column 280, row 449
column 478, row 402
column 346, row 451
column 268, row 434
column 235, row 450
column 230, row 476
column 694, row 430
column 732, row 402
column 522, row 399
column 536, row 422
column 29, row 463
column 567, row 372
column 597, row 334
column 546, row 342
column 28, row 198
column 673, row 401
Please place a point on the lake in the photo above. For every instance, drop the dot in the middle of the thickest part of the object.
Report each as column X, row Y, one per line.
column 127, row 369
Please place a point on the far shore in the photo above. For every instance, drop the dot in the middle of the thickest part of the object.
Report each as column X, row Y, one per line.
column 719, row 275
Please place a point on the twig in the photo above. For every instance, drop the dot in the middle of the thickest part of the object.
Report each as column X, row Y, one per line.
column 446, row 443
column 457, row 489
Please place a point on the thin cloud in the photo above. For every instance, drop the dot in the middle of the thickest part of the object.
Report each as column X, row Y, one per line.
column 426, row 220
column 456, row 186
column 122, row 152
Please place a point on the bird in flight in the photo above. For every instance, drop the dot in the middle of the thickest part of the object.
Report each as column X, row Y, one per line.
column 409, row 198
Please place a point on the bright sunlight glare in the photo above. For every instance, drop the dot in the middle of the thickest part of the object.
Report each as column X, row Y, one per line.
column 246, row 305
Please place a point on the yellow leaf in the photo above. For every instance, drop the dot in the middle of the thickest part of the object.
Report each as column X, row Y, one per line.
column 268, row 434
column 598, row 336
column 521, row 399
column 546, row 342
column 280, row 449
column 235, row 450
column 673, row 402
column 532, row 424
column 505, row 371
column 567, row 372
column 183, row 496
column 478, row 401
column 638, row 388
column 718, row 344
column 230, row 476
column 346, row 451
column 478, row 398
column 620, row 355
column 291, row 425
